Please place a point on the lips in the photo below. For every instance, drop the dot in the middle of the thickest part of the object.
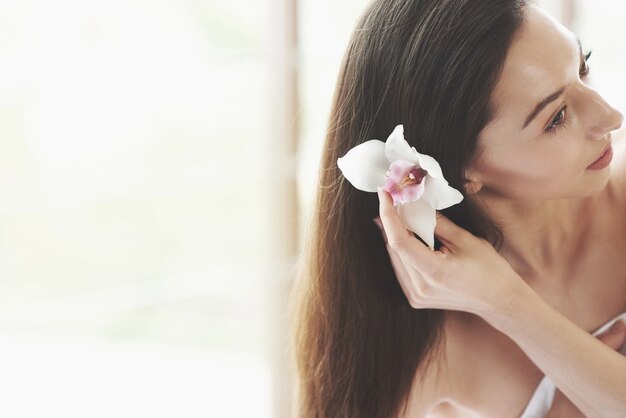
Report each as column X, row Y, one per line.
column 604, row 151
column 604, row 160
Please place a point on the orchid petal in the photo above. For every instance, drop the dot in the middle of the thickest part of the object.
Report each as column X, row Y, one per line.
column 439, row 195
column 396, row 147
column 429, row 164
column 365, row 165
column 420, row 218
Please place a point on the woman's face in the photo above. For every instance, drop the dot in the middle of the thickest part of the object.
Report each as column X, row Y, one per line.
column 550, row 123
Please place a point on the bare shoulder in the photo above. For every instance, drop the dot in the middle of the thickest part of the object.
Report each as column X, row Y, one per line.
column 450, row 385
column 487, row 374
column 440, row 386
column 430, row 386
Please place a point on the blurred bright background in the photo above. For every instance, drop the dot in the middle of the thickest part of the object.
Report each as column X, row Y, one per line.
column 157, row 163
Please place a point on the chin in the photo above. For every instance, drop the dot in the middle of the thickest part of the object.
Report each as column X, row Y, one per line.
column 599, row 181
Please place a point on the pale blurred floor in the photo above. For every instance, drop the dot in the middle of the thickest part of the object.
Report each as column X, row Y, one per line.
column 72, row 378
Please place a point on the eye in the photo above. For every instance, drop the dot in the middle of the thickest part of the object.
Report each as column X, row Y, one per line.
column 584, row 66
column 558, row 121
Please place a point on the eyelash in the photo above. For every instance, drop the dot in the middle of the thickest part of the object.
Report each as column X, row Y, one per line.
column 555, row 126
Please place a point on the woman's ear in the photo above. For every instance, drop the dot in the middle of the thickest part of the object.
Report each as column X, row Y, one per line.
column 472, row 183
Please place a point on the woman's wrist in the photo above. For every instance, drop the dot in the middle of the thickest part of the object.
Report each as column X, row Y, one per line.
column 511, row 305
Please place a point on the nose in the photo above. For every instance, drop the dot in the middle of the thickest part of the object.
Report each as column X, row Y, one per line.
column 604, row 118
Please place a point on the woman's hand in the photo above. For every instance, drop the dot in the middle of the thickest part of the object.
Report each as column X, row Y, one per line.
column 562, row 407
column 467, row 274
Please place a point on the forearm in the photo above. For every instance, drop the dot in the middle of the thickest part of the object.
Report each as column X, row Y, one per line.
column 590, row 374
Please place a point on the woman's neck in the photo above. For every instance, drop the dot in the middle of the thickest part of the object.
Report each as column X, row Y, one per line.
column 544, row 237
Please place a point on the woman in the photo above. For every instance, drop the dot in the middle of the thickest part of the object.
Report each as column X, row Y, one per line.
column 499, row 94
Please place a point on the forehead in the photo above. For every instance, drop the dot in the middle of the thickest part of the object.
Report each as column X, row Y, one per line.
column 537, row 64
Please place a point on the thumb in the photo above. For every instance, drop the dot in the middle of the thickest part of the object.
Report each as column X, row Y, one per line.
column 615, row 336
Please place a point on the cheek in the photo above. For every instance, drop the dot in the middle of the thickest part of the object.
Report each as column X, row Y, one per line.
column 539, row 172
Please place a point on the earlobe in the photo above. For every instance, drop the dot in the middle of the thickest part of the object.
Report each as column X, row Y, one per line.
column 471, row 185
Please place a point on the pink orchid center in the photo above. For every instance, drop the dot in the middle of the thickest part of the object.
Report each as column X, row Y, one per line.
column 404, row 181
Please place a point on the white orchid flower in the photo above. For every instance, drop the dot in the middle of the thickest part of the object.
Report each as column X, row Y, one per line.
column 414, row 180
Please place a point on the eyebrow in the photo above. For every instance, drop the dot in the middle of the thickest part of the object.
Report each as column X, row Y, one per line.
column 542, row 104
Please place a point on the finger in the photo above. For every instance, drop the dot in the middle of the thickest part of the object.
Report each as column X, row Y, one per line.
column 379, row 223
column 445, row 250
column 408, row 282
column 615, row 336
column 450, row 233
column 414, row 253
column 396, row 262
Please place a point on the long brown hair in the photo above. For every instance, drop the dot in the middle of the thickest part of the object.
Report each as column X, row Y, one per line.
column 430, row 65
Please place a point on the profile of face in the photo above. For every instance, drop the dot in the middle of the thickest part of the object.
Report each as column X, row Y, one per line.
column 550, row 124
